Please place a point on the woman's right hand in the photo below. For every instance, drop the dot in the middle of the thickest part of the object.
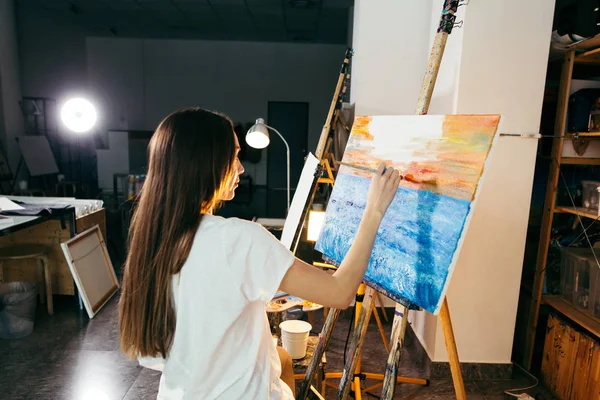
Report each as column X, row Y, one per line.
column 382, row 191
column 338, row 290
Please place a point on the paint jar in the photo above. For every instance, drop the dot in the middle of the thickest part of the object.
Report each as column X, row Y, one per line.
column 293, row 313
column 294, row 337
column 131, row 187
column 590, row 194
column 581, row 286
column 575, row 275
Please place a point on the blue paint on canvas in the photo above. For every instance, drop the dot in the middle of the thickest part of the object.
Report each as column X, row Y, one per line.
column 415, row 243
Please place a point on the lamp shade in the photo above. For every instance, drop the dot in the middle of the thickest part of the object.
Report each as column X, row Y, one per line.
column 258, row 135
column 79, row 115
column 315, row 223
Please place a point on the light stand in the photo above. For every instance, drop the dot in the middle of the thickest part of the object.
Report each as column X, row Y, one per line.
column 79, row 116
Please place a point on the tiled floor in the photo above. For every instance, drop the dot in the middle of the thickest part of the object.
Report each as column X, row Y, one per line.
column 73, row 358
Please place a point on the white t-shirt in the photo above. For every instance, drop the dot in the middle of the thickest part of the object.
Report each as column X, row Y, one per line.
column 223, row 348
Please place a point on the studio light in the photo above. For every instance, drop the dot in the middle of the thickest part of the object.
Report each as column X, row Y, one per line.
column 258, row 137
column 78, row 115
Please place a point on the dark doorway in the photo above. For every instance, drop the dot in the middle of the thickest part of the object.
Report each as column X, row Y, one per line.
column 291, row 120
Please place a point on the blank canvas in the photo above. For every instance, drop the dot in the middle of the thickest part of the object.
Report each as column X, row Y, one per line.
column 442, row 159
column 92, row 269
column 37, row 155
column 303, row 191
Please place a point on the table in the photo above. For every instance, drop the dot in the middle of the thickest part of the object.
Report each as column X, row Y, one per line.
column 50, row 231
column 19, row 222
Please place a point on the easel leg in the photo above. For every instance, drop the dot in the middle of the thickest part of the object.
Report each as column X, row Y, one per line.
column 380, row 326
column 459, row 385
column 352, row 382
column 332, row 317
column 381, row 307
column 360, row 331
column 393, row 361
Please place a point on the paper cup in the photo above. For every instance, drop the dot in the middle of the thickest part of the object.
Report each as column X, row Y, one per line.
column 294, row 337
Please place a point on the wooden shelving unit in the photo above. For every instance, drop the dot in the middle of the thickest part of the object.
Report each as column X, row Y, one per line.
column 578, row 315
column 585, row 52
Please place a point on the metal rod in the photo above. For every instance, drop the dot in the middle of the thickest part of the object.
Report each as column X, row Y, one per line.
column 287, row 147
column 523, row 135
column 352, row 362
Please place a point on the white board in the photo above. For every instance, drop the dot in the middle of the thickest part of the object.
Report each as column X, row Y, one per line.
column 299, row 201
column 114, row 160
column 37, row 155
column 92, row 269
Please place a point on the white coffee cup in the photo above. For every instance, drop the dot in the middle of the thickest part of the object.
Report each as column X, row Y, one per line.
column 294, row 337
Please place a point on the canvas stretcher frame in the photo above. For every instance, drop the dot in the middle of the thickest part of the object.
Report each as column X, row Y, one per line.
column 93, row 298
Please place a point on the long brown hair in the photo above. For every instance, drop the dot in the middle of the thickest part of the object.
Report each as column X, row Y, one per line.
column 191, row 156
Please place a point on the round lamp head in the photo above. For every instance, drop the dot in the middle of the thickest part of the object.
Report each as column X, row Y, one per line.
column 258, row 135
column 79, row 115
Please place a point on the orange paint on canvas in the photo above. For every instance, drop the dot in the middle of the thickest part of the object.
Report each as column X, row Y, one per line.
column 450, row 164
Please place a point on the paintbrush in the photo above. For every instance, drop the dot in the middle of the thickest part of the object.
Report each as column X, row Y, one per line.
column 362, row 168
column 407, row 177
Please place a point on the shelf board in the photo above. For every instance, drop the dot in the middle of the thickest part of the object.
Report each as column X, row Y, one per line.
column 583, row 212
column 586, row 44
column 579, row 161
column 571, row 135
column 589, row 57
column 580, row 316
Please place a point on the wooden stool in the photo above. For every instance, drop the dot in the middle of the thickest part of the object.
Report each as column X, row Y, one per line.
column 32, row 251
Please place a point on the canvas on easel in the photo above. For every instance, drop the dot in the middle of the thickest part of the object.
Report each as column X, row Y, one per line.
column 92, row 269
column 350, row 378
column 442, row 159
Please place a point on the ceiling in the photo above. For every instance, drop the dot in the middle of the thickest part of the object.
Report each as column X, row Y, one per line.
column 313, row 21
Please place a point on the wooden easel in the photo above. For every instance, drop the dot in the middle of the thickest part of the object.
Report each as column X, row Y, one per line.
column 350, row 379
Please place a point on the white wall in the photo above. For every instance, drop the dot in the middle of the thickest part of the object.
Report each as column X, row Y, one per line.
column 52, row 55
column 11, row 120
column 138, row 82
column 486, row 69
column 390, row 41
